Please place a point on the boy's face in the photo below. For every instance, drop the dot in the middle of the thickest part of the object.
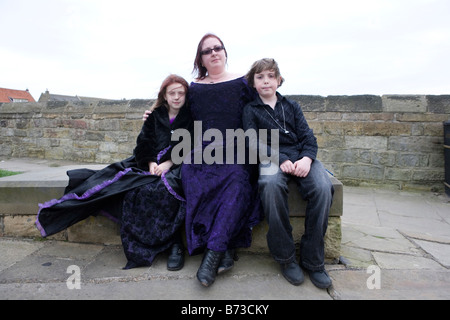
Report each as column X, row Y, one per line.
column 266, row 83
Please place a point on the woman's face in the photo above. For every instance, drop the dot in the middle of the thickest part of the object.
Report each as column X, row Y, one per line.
column 213, row 60
column 175, row 96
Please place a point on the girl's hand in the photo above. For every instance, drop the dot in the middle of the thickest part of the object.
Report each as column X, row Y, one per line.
column 163, row 167
column 152, row 167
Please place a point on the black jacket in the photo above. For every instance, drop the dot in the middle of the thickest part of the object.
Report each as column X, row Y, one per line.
column 298, row 143
column 155, row 135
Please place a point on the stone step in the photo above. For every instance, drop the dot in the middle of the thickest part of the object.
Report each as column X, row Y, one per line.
column 21, row 194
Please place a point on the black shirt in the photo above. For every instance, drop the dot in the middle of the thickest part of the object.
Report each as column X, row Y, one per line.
column 296, row 138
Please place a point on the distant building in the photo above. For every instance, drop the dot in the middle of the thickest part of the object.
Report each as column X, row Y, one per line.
column 47, row 96
column 11, row 95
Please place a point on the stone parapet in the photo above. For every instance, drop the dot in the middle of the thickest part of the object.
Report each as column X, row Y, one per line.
column 365, row 139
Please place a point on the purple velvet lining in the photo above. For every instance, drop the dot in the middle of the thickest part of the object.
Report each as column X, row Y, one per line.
column 163, row 178
column 39, row 227
column 161, row 154
column 169, row 188
column 74, row 196
column 109, row 216
column 97, row 188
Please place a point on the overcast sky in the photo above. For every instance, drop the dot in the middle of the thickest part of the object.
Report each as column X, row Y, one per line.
column 124, row 49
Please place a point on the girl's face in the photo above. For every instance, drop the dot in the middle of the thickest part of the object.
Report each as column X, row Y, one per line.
column 214, row 58
column 175, row 96
column 266, row 83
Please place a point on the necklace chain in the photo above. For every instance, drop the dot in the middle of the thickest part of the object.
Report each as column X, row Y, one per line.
column 284, row 120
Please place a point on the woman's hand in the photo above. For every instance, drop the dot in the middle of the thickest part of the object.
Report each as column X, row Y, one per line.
column 146, row 114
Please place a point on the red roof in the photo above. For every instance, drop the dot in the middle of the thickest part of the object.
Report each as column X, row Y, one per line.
column 9, row 95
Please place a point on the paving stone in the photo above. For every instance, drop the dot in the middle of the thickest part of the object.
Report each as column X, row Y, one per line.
column 440, row 251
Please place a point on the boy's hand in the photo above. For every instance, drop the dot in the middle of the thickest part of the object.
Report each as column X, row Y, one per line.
column 287, row 167
column 302, row 167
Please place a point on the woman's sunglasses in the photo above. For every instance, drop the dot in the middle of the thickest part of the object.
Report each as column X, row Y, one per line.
column 215, row 49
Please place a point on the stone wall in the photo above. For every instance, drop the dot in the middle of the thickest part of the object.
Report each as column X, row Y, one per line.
column 366, row 139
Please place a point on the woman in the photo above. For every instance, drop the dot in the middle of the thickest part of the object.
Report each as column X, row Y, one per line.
column 222, row 203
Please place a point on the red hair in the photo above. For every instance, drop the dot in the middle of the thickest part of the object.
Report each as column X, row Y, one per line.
column 171, row 79
column 199, row 69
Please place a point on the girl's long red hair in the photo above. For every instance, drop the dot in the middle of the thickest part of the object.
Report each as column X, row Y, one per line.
column 171, row 79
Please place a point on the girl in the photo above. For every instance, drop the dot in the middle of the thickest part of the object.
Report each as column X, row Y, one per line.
column 142, row 193
column 154, row 213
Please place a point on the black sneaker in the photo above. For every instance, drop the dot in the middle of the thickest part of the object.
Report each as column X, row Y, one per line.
column 320, row 279
column 293, row 273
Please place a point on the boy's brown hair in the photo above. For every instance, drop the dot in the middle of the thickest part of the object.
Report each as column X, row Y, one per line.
column 260, row 66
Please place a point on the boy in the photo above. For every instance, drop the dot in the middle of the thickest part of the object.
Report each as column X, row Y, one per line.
column 297, row 158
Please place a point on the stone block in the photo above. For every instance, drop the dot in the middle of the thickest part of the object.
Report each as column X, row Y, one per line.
column 364, row 142
column 425, row 144
column 24, row 226
column 309, row 102
column 297, row 206
column 404, row 103
column 95, row 230
column 20, row 198
column 386, row 129
column 397, row 174
column 363, row 172
column 19, row 226
column 439, row 104
column 332, row 239
column 359, row 103
column 141, row 104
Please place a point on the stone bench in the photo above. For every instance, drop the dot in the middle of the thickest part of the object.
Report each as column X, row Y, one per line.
column 20, row 195
column 297, row 207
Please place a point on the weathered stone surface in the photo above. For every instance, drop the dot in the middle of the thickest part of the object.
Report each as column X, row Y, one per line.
column 356, row 127
column 332, row 238
column 95, row 230
column 361, row 103
column 404, row 103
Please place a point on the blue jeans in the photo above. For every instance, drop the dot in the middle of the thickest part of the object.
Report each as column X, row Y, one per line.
column 317, row 190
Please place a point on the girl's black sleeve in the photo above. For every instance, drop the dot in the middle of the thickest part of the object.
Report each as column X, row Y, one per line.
column 145, row 150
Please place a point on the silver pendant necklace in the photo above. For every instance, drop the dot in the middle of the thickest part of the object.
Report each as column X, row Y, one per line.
column 284, row 120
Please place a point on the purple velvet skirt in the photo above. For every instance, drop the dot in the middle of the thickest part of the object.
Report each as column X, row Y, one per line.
column 222, row 206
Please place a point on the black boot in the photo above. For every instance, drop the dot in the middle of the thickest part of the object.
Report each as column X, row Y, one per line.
column 207, row 272
column 227, row 261
column 175, row 261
